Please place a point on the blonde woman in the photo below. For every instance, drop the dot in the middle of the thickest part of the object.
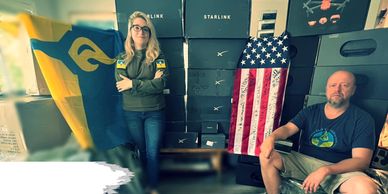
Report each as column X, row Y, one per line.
column 141, row 74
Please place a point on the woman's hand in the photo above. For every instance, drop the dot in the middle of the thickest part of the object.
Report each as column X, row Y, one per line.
column 124, row 84
column 158, row 74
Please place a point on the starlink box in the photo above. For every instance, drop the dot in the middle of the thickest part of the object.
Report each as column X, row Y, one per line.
column 209, row 127
column 165, row 15
column 216, row 141
column 181, row 140
column 176, row 82
column 326, row 17
column 217, row 19
column 222, row 125
column 210, row 82
column 215, row 53
column 200, row 108
column 175, row 108
column 172, row 49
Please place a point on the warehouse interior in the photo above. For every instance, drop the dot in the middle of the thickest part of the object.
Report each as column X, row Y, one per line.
column 203, row 41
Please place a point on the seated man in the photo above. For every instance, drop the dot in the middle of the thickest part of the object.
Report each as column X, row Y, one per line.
column 336, row 144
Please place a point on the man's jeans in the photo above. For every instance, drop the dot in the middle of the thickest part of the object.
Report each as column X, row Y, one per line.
column 146, row 129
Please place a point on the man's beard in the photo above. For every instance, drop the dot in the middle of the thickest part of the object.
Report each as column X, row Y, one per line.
column 336, row 104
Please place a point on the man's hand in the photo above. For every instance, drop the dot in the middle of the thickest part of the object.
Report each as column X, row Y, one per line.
column 267, row 147
column 158, row 74
column 124, row 84
column 312, row 181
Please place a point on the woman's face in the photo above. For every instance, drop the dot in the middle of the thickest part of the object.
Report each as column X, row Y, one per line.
column 140, row 33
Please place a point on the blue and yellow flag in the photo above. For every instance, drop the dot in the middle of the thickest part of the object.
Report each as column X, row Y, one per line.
column 77, row 64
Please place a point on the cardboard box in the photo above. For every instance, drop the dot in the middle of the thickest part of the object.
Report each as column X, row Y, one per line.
column 175, row 126
column 326, row 17
column 216, row 141
column 210, row 82
column 292, row 105
column 302, row 54
column 249, row 174
column 176, row 82
column 165, row 15
column 283, row 146
column 223, row 126
column 371, row 80
column 175, row 108
column 173, row 51
column 299, row 80
column 30, row 124
column 380, row 159
column 361, row 52
column 208, row 108
column 217, row 19
column 209, row 127
column 215, row 53
column 181, row 140
column 368, row 47
column 268, row 16
column 248, row 159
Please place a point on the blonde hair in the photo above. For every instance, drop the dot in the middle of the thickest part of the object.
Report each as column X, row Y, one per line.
column 152, row 49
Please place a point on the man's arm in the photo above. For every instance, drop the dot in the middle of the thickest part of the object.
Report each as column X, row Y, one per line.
column 280, row 133
column 361, row 158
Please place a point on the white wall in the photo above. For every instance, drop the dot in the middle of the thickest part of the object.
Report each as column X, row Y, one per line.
column 67, row 7
column 46, row 8
column 16, row 6
column 60, row 10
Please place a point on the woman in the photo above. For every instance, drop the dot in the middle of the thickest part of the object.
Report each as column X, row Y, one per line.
column 141, row 74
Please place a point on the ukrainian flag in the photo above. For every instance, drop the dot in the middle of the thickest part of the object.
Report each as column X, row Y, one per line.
column 78, row 66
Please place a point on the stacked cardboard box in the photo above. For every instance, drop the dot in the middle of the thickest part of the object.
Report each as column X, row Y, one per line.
column 29, row 124
column 217, row 34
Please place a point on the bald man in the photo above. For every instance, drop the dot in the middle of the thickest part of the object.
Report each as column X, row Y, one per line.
column 336, row 145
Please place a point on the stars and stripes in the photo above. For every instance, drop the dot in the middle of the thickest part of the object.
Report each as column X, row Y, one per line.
column 258, row 93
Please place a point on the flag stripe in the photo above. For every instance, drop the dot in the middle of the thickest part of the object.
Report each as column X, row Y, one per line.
column 248, row 110
column 256, row 113
column 232, row 129
column 241, row 110
column 263, row 107
column 275, row 77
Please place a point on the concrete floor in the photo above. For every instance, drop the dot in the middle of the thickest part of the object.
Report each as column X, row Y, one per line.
column 204, row 183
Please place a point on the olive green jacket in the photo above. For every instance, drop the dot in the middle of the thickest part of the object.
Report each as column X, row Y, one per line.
column 146, row 93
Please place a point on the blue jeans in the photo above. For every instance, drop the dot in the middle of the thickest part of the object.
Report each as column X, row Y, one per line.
column 146, row 129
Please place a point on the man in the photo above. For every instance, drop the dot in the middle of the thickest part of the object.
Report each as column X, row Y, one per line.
column 336, row 144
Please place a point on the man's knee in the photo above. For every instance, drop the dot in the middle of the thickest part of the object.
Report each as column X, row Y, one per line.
column 359, row 184
column 274, row 161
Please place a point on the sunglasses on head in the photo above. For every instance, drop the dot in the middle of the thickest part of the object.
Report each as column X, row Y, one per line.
column 138, row 28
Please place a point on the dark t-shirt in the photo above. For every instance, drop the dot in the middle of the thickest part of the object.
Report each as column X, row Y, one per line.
column 332, row 140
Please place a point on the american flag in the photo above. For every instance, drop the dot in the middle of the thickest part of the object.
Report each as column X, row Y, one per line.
column 258, row 93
